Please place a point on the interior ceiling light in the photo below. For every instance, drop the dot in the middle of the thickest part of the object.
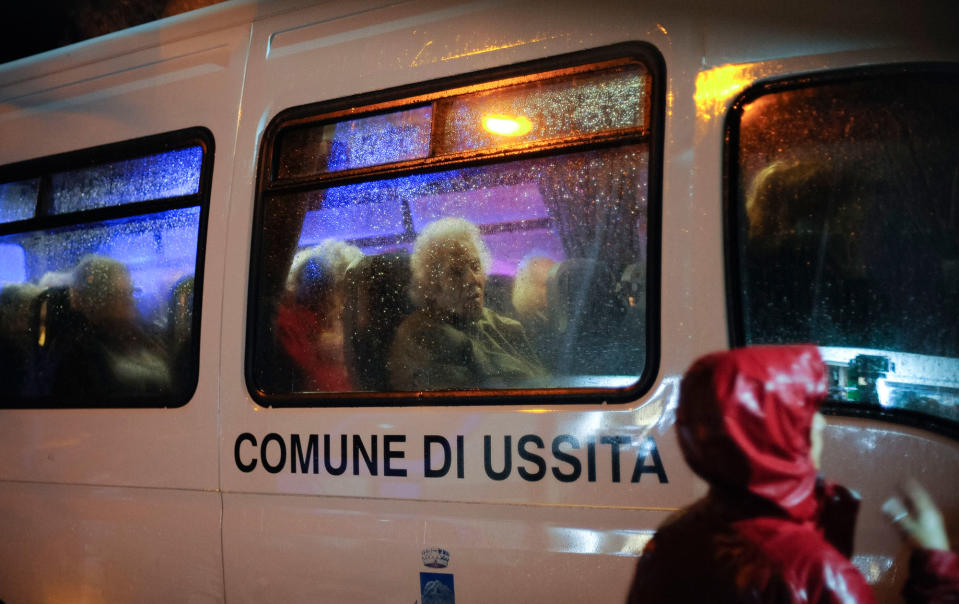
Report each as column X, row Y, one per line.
column 505, row 125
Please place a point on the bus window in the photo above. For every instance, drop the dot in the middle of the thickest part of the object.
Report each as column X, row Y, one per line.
column 97, row 314
column 845, row 223
column 487, row 239
column 13, row 263
column 18, row 200
column 169, row 174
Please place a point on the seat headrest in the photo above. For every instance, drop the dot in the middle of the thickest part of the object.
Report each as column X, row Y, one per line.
column 377, row 301
column 587, row 319
column 577, row 287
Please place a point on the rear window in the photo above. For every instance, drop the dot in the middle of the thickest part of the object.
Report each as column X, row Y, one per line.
column 99, row 258
column 486, row 236
column 844, row 193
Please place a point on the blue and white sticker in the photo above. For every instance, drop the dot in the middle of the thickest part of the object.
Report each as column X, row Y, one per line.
column 436, row 588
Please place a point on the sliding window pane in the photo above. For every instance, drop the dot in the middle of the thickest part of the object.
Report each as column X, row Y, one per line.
column 359, row 143
column 101, row 313
column 550, row 109
column 18, row 200
column 580, row 217
column 159, row 176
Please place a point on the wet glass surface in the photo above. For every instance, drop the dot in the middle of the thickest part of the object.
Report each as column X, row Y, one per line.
column 100, row 312
column 518, row 273
column 580, row 313
column 359, row 143
column 159, row 176
column 549, row 109
column 158, row 249
column 848, row 205
column 18, row 200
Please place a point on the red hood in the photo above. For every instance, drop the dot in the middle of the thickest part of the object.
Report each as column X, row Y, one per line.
column 744, row 422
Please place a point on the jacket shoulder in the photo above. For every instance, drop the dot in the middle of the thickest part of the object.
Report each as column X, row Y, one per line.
column 815, row 570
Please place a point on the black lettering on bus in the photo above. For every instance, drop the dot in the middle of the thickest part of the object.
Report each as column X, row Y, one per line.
column 614, row 442
column 531, row 457
column 337, row 470
column 460, row 463
column 372, row 464
column 312, row 451
column 389, row 454
column 488, row 458
column 264, row 457
column 591, row 460
column 648, row 448
column 434, row 439
column 565, row 457
column 244, row 467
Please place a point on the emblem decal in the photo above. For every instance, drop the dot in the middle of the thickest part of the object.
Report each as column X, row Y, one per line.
column 436, row 557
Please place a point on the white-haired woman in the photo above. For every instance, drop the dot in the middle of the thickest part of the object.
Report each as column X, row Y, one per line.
column 453, row 341
column 309, row 321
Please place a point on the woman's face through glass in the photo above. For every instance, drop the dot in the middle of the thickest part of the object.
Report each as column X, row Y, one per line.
column 457, row 280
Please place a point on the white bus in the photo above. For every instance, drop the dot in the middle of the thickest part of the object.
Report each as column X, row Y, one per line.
column 183, row 420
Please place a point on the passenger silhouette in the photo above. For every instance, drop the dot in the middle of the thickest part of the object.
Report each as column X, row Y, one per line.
column 453, row 340
column 112, row 358
column 309, row 319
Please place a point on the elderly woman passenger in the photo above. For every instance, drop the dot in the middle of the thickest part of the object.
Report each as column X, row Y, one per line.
column 309, row 320
column 453, row 341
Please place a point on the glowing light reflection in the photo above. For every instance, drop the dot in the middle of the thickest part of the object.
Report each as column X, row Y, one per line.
column 716, row 86
column 504, row 125
column 495, row 47
column 573, row 540
column 882, row 391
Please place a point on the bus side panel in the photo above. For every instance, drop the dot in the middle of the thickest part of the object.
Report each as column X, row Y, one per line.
column 870, row 456
column 492, row 553
column 108, row 544
column 355, row 534
column 359, row 535
column 199, row 85
column 122, row 503
column 891, row 455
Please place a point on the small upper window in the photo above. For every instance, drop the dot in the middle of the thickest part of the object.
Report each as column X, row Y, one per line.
column 489, row 238
column 18, row 200
column 845, row 210
column 170, row 174
column 98, row 264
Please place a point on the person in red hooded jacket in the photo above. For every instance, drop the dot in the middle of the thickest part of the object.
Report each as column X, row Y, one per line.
column 770, row 529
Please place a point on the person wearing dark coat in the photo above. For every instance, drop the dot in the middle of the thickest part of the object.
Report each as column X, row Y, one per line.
column 770, row 529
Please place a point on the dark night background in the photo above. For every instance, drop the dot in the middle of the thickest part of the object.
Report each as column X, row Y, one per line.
column 30, row 27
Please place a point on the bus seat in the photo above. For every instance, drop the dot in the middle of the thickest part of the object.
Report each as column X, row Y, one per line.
column 56, row 327
column 180, row 334
column 631, row 294
column 377, row 301
column 585, row 317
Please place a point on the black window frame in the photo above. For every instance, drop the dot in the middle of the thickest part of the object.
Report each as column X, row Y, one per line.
column 733, row 218
column 44, row 167
column 410, row 96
